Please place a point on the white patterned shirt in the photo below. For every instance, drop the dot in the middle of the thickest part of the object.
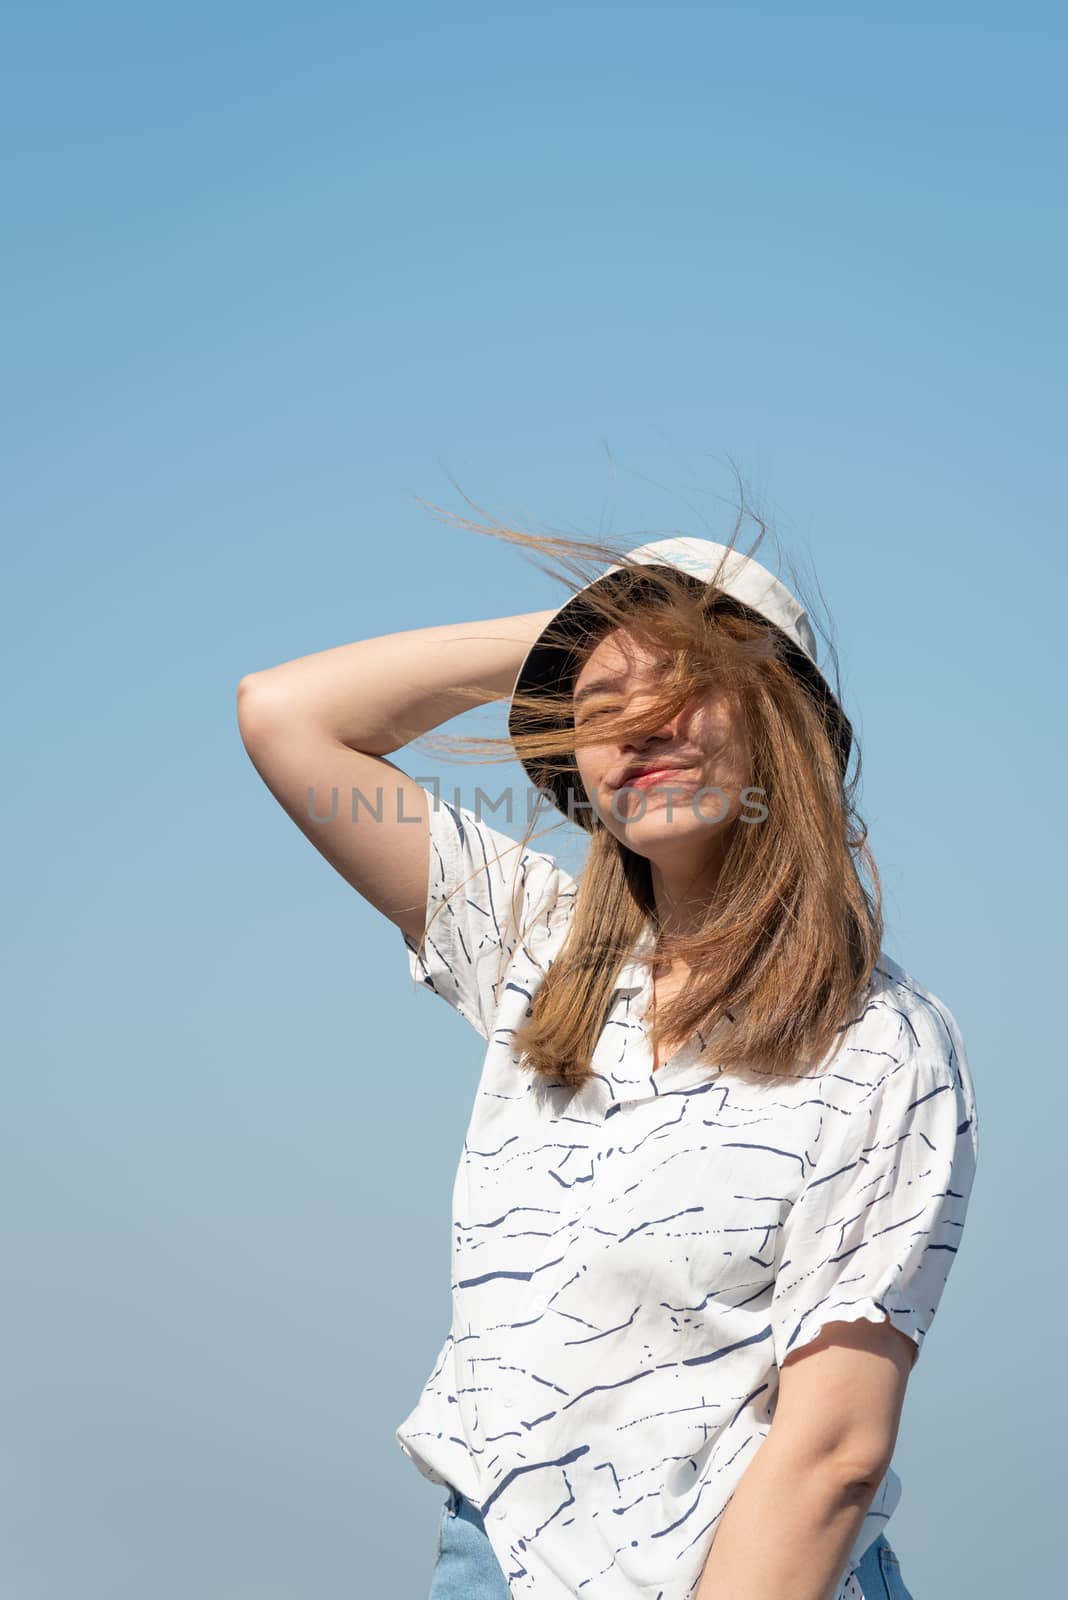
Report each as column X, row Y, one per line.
column 632, row 1260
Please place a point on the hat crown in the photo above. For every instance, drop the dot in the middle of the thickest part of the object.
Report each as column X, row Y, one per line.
column 739, row 576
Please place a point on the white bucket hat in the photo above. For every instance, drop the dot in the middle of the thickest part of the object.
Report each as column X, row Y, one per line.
column 553, row 658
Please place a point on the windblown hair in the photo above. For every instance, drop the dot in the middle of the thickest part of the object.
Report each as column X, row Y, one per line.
column 782, row 959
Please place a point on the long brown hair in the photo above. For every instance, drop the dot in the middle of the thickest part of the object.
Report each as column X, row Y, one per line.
column 783, row 956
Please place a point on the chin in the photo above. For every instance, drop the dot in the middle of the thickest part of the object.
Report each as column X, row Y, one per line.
column 654, row 833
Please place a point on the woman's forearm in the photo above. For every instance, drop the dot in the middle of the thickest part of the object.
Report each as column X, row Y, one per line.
column 788, row 1529
column 378, row 694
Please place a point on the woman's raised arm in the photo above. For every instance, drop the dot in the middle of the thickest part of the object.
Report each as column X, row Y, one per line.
column 325, row 722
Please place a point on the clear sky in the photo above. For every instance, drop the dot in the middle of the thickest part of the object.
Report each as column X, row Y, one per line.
column 273, row 272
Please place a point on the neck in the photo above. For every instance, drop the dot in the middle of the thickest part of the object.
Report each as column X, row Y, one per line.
column 682, row 899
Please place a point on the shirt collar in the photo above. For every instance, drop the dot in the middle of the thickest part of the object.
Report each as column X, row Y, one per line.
column 623, row 1061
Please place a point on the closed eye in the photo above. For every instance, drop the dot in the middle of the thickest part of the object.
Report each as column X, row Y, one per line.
column 592, row 716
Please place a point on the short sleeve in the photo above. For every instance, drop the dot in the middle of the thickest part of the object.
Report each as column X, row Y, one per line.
column 879, row 1220
column 490, row 891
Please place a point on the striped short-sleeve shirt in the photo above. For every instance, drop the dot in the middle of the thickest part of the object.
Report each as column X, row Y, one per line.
column 633, row 1260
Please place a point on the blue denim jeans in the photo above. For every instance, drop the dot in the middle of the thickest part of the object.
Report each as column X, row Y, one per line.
column 467, row 1568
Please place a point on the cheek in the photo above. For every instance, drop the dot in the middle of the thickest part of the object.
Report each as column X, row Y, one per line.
column 716, row 733
column 592, row 765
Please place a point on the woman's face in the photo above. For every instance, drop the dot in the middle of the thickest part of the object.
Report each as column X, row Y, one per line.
column 696, row 764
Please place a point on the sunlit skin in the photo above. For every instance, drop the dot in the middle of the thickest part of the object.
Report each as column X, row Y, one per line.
column 684, row 845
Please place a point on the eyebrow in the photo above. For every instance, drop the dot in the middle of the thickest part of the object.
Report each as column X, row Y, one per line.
column 595, row 688
column 613, row 680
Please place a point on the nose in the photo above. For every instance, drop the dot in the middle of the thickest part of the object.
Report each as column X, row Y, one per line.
column 639, row 741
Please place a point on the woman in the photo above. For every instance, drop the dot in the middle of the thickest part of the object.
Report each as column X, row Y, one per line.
column 722, row 1146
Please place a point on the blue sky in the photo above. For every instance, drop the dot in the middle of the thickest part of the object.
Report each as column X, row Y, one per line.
column 275, row 272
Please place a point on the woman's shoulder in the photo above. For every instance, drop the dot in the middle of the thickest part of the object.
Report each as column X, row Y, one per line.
column 901, row 1029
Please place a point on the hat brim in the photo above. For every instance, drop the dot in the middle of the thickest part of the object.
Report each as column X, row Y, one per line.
column 553, row 661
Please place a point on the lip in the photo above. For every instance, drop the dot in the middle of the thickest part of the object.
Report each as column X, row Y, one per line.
column 654, row 775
